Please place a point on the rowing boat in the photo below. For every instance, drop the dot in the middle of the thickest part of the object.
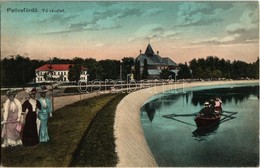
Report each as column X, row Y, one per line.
column 202, row 121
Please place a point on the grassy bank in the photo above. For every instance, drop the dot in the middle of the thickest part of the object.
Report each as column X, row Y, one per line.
column 66, row 129
column 97, row 147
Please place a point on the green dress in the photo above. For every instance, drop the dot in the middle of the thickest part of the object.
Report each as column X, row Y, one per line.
column 43, row 116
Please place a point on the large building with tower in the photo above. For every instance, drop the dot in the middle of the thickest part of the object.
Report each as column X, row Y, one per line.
column 156, row 63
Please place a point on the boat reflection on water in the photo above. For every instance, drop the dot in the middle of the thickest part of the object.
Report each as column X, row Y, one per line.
column 202, row 132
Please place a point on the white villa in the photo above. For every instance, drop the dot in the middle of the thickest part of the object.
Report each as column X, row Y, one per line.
column 57, row 72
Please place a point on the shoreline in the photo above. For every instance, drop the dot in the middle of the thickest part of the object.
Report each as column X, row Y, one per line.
column 131, row 145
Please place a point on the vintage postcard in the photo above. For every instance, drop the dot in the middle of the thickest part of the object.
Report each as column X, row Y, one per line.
column 130, row 83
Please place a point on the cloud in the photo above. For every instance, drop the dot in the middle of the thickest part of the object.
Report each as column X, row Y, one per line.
column 247, row 27
column 99, row 19
column 151, row 31
column 243, row 31
column 117, row 13
column 99, row 45
column 58, row 18
column 201, row 13
column 217, row 40
column 105, row 3
column 152, row 11
column 247, row 22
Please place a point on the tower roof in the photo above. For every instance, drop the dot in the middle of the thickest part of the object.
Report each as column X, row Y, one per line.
column 149, row 50
column 154, row 59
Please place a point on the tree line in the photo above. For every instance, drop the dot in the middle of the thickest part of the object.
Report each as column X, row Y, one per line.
column 213, row 68
column 20, row 70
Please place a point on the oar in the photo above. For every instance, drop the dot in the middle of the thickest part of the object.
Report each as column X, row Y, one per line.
column 226, row 119
column 179, row 120
column 227, row 115
column 181, row 115
column 232, row 112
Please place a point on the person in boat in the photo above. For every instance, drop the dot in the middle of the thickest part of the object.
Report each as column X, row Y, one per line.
column 218, row 104
column 207, row 110
column 212, row 104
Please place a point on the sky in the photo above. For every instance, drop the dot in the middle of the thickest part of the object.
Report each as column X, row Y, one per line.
column 180, row 30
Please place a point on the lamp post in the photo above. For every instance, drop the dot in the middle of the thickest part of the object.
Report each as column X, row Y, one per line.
column 50, row 72
column 191, row 74
column 87, row 77
column 170, row 79
column 120, row 70
column 175, row 81
column 127, row 77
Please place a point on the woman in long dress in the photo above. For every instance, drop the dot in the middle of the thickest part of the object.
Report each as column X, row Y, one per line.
column 11, row 119
column 30, row 107
column 44, row 114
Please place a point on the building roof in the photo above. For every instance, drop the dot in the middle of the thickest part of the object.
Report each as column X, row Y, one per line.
column 56, row 67
column 149, row 50
column 168, row 61
column 154, row 59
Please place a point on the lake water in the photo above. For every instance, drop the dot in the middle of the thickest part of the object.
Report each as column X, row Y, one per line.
column 177, row 142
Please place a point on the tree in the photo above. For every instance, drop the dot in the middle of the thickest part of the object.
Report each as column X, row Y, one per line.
column 127, row 64
column 94, row 68
column 212, row 62
column 45, row 76
column 137, row 70
column 184, row 72
column 207, row 73
column 145, row 73
column 239, row 69
column 18, row 70
column 74, row 73
column 216, row 73
column 77, row 60
column 165, row 73
column 56, row 60
column 111, row 69
column 254, row 69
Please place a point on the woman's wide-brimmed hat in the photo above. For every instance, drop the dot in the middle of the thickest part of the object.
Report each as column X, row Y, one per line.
column 11, row 92
column 43, row 89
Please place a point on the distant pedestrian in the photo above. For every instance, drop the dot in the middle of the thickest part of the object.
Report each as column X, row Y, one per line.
column 11, row 120
column 44, row 114
column 30, row 108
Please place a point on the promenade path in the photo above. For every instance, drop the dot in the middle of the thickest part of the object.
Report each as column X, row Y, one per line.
column 59, row 101
column 131, row 145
